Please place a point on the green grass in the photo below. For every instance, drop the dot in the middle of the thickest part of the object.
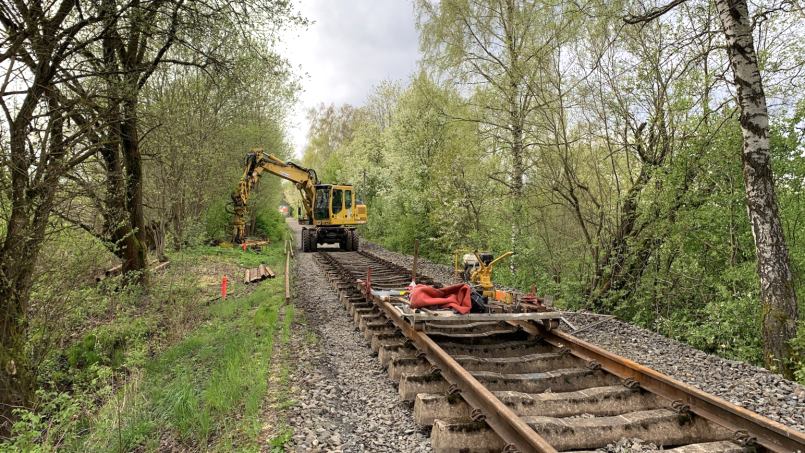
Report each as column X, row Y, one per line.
column 283, row 396
column 277, row 443
column 274, row 253
column 206, row 391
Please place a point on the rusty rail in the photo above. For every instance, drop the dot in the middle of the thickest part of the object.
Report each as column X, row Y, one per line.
column 766, row 432
column 511, row 428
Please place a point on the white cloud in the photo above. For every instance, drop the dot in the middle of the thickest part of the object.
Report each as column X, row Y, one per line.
column 350, row 47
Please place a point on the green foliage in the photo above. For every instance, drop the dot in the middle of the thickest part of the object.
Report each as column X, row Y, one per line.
column 212, row 373
column 196, row 387
column 799, row 348
column 202, row 123
column 271, row 224
column 727, row 327
column 217, row 221
column 689, row 258
column 277, row 443
column 249, row 258
column 47, row 426
column 113, row 345
column 195, row 124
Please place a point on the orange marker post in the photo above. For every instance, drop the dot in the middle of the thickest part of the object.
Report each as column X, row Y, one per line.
column 223, row 287
column 243, row 246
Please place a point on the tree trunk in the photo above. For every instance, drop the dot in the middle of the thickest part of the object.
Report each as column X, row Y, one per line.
column 610, row 267
column 134, row 259
column 31, row 207
column 16, row 378
column 516, row 193
column 16, row 267
column 778, row 299
column 516, row 119
column 119, row 224
column 124, row 218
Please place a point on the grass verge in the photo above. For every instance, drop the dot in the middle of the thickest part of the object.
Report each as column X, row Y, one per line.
column 205, row 392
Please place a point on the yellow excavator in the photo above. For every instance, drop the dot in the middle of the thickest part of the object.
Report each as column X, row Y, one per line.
column 332, row 211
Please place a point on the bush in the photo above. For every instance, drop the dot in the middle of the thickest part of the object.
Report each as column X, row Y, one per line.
column 270, row 223
column 55, row 421
column 727, row 327
column 194, row 234
column 217, row 221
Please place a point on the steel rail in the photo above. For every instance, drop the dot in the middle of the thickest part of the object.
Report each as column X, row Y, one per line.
column 504, row 421
column 767, row 433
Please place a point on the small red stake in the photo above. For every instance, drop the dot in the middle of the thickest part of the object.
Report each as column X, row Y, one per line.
column 223, row 287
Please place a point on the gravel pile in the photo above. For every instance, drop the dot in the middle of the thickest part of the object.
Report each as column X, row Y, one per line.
column 739, row 383
column 345, row 400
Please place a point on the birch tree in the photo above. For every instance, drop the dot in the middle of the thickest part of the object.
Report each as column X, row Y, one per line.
column 494, row 48
column 777, row 295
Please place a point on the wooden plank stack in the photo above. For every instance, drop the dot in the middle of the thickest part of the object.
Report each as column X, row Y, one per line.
column 255, row 245
column 258, row 274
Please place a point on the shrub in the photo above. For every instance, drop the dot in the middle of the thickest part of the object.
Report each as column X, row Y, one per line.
column 217, row 221
column 53, row 422
column 270, row 223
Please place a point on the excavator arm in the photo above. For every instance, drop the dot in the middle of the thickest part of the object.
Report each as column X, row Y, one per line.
column 257, row 162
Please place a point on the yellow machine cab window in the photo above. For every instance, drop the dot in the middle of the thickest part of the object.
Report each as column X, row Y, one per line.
column 338, row 200
column 321, row 208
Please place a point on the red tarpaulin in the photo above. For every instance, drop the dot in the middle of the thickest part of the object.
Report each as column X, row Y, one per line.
column 456, row 297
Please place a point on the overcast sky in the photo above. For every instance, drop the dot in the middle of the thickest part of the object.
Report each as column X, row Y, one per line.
column 350, row 46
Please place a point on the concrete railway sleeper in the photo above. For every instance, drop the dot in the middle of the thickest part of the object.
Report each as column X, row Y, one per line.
column 519, row 386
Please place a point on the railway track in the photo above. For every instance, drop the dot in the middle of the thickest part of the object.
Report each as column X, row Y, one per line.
column 499, row 383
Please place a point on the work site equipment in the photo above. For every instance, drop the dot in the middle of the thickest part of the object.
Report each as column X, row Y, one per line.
column 333, row 211
column 476, row 269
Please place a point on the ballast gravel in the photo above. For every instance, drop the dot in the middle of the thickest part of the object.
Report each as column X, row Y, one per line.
column 742, row 384
column 345, row 401
column 745, row 385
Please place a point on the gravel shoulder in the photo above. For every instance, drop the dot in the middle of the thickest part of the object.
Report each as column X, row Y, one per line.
column 344, row 399
column 745, row 385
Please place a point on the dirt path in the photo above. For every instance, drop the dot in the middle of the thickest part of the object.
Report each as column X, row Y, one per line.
column 344, row 399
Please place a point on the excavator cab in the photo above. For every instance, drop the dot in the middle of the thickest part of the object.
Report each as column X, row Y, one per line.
column 321, row 205
column 336, row 204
